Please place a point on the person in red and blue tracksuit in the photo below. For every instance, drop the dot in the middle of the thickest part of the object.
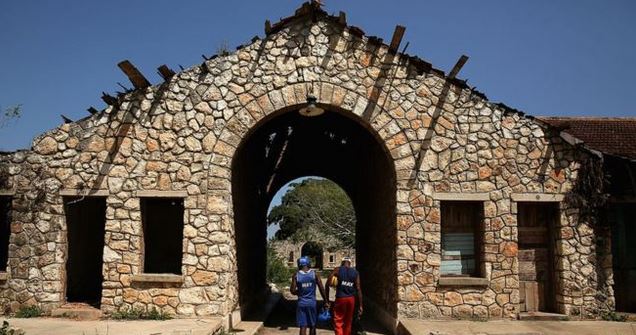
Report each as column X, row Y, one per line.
column 347, row 289
column 303, row 285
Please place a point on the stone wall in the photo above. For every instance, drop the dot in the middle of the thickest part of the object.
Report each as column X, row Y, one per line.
column 182, row 135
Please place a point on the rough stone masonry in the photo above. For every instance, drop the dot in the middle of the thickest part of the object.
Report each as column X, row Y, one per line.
column 178, row 139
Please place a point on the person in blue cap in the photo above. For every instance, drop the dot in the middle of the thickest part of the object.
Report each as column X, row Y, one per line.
column 303, row 285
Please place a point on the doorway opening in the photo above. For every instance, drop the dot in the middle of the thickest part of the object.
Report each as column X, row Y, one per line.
column 622, row 220
column 5, row 232
column 536, row 222
column 85, row 221
column 314, row 251
column 337, row 146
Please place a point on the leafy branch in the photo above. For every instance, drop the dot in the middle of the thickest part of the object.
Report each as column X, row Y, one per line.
column 9, row 114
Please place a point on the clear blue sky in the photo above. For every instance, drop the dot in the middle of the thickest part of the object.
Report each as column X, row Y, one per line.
column 550, row 57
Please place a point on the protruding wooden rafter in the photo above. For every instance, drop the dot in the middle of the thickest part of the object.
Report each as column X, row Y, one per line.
column 136, row 78
column 342, row 18
column 268, row 27
column 165, row 72
column 109, row 99
column 126, row 89
column 66, row 119
column 92, row 110
column 458, row 66
column 398, row 33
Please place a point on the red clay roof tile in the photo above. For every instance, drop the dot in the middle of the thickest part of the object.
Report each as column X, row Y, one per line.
column 614, row 136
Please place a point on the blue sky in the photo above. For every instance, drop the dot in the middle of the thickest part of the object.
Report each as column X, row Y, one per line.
column 565, row 57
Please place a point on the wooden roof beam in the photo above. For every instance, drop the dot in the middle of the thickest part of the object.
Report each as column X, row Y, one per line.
column 398, row 33
column 136, row 78
column 342, row 18
column 66, row 119
column 268, row 27
column 109, row 99
column 458, row 66
column 165, row 72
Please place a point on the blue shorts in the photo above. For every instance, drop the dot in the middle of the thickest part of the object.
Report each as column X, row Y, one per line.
column 306, row 316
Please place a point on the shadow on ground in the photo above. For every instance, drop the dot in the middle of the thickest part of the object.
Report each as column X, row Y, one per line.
column 282, row 320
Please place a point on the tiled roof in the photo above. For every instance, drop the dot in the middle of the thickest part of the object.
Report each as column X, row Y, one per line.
column 613, row 136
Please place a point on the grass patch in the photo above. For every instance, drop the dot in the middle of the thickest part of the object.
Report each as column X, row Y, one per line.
column 222, row 331
column 138, row 314
column 26, row 312
column 613, row 316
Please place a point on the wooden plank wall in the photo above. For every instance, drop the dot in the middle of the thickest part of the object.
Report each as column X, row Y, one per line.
column 536, row 243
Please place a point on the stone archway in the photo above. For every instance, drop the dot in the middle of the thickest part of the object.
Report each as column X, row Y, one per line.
column 314, row 251
column 335, row 145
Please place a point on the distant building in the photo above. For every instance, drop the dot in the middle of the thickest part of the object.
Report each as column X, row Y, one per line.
column 324, row 259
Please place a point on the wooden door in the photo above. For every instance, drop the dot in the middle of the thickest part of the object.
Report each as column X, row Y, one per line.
column 622, row 219
column 536, row 223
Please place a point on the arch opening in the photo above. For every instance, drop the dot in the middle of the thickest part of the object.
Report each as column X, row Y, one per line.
column 335, row 146
column 314, row 251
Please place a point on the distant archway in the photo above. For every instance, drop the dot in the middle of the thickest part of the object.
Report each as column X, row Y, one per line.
column 336, row 145
column 315, row 252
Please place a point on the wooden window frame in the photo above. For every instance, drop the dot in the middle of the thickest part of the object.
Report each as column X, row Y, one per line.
column 478, row 241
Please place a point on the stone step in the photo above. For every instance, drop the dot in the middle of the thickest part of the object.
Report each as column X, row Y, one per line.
column 542, row 316
column 79, row 312
column 245, row 327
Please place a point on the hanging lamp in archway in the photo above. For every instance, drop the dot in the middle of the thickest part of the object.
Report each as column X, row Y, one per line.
column 311, row 109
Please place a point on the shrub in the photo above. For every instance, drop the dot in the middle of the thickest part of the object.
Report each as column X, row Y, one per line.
column 277, row 272
column 156, row 314
column 28, row 312
column 138, row 314
column 223, row 331
column 613, row 316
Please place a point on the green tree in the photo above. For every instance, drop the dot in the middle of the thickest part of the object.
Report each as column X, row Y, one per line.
column 317, row 205
column 277, row 271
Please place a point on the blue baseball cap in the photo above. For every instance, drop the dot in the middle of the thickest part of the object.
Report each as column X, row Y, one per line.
column 303, row 261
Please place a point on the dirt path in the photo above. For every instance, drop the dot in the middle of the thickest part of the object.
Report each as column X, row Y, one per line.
column 282, row 320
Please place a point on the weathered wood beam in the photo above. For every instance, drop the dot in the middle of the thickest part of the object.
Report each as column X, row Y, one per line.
column 109, row 99
column 66, row 120
column 136, row 78
column 268, row 27
column 458, row 66
column 204, row 68
column 342, row 18
column 165, row 72
column 92, row 110
column 126, row 89
column 398, row 33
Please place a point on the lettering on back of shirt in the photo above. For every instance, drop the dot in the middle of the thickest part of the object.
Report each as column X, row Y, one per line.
column 346, row 283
